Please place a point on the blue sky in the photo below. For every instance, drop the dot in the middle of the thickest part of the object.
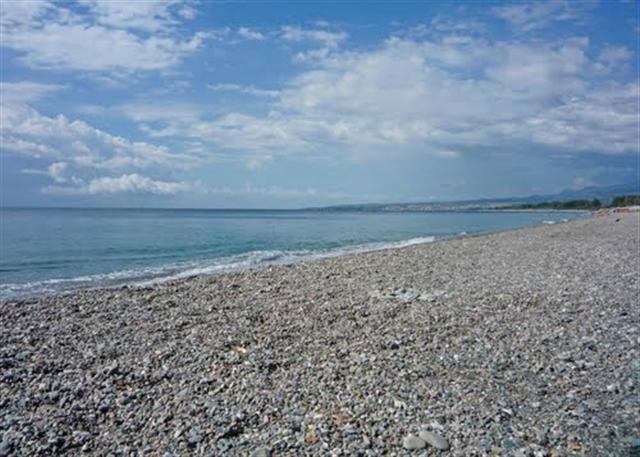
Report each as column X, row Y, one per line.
column 288, row 104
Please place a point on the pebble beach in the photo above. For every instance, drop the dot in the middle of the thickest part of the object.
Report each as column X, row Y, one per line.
column 517, row 343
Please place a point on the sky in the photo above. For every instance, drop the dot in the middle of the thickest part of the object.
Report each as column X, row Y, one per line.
column 282, row 104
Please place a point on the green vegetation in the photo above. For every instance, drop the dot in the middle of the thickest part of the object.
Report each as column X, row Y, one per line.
column 571, row 204
column 626, row 200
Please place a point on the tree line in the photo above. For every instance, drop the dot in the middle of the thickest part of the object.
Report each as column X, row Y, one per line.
column 624, row 200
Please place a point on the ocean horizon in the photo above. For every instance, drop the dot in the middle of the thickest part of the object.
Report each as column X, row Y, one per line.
column 55, row 250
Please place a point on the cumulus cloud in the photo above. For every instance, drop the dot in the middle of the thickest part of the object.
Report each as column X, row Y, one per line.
column 75, row 149
column 614, row 56
column 109, row 37
column 250, row 34
column 24, row 130
column 147, row 15
column 149, row 111
column 127, row 183
column 327, row 38
column 98, row 48
column 26, row 91
column 439, row 96
column 601, row 120
column 420, row 92
column 136, row 183
column 444, row 24
column 530, row 16
column 249, row 90
column 244, row 132
column 20, row 13
column 56, row 171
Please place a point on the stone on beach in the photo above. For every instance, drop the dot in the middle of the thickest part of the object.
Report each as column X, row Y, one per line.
column 521, row 342
column 412, row 442
column 434, row 440
column 5, row 448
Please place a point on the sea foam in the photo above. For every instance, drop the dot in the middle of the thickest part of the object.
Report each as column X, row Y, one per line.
column 153, row 275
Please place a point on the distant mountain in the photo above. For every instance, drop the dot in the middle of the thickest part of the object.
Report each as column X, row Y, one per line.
column 604, row 194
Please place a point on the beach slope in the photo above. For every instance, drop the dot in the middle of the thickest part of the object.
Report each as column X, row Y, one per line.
column 522, row 342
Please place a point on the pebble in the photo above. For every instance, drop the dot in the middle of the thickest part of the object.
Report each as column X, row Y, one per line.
column 81, row 437
column 5, row 448
column 434, row 440
column 525, row 339
column 193, row 439
column 412, row 442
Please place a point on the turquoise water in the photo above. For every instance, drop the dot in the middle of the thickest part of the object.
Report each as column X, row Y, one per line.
column 54, row 250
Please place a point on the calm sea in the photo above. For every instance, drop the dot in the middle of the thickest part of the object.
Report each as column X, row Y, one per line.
column 54, row 250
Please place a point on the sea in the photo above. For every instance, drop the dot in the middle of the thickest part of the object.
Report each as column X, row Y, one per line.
column 44, row 251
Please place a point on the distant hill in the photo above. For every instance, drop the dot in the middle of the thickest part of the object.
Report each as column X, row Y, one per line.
column 604, row 194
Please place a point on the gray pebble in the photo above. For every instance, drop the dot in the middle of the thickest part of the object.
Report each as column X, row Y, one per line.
column 412, row 442
column 5, row 448
column 434, row 440
column 261, row 452
column 525, row 330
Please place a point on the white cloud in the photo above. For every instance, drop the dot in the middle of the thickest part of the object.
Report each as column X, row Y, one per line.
column 250, row 34
column 25, row 91
column 439, row 97
column 106, row 39
column 244, row 133
column 187, row 12
column 127, row 183
column 141, row 112
column 249, row 90
column 530, row 16
column 98, row 48
column 57, row 171
column 442, row 96
column 25, row 131
column 17, row 13
column 135, row 183
column 327, row 38
column 444, row 24
column 74, row 148
column 147, row 15
column 601, row 120
column 613, row 56
column 552, row 70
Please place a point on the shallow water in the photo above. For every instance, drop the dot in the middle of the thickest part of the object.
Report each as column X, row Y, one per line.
column 54, row 250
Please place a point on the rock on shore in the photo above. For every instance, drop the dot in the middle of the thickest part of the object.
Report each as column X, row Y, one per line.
column 516, row 343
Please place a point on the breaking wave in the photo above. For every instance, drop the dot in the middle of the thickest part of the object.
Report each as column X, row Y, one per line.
column 156, row 274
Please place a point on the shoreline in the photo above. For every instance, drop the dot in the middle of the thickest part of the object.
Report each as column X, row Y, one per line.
column 515, row 342
column 226, row 268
